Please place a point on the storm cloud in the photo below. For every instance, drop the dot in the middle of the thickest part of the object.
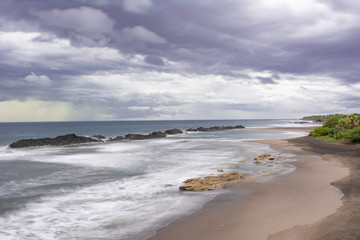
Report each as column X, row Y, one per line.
column 154, row 59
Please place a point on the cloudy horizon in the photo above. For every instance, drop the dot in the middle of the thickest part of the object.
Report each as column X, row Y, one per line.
column 170, row 60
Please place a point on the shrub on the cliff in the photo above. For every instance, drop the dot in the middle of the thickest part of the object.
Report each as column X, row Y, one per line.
column 352, row 135
column 319, row 131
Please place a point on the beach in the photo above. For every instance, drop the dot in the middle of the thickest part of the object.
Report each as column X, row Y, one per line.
column 319, row 200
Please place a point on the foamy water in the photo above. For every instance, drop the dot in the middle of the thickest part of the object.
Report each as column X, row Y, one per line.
column 117, row 190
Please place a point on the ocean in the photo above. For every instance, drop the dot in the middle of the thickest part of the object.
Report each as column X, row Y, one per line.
column 118, row 190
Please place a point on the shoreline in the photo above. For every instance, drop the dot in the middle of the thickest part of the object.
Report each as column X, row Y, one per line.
column 279, row 207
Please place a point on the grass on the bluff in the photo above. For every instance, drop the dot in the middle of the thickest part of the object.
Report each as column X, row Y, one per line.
column 327, row 138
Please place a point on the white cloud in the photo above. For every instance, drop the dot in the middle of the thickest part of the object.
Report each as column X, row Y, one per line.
column 137, row 6
column 38, row 80
column 21, row 49
column 85, row 20
column 142, row 34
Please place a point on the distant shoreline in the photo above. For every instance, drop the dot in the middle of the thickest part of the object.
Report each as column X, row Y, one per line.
column 300, row 205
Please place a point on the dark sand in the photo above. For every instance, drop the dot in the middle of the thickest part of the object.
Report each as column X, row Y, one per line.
column 344, row 224
column 305, row 204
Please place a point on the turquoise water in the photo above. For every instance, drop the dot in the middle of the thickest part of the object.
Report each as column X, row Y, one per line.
column 10, row 132
column 117, row 190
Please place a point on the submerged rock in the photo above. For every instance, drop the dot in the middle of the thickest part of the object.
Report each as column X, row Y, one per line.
column 212, row 182
column 67, row 139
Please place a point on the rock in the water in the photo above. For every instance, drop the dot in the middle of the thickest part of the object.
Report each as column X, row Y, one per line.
column 118, row 138
column 173, row 131
column 215, row 128
column 212, row 182
column 264, row 156
column 67, row 139
column 99, row 136
column 142, row 136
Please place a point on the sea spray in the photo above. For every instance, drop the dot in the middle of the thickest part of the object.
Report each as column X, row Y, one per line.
column 117, row 190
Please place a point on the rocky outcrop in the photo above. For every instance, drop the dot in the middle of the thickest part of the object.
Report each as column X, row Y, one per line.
column 67, row 139
column 142, row 136
column 265, row 156
column 173, row 131
column 212, row 182
column 217, row 182
column 138, row 136
column 100, row 137
column 215, row 128
column 118, row 138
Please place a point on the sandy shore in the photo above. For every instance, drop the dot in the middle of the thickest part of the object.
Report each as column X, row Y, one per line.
column 305, row 204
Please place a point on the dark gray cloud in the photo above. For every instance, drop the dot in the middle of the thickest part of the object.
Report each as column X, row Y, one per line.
column 63, row 50
column 266, row 80
column 154, row 60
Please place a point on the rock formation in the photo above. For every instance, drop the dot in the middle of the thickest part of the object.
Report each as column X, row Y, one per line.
column 264, row 156
column 74, row 139
column 67, row 139
column 215, row 128
column 212, row 182
column 142, row 136
column 173, row 131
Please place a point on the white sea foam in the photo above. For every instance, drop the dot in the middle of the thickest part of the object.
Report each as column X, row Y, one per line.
column 117, row 190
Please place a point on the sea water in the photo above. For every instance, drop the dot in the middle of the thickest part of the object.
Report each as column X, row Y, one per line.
column 118, row 190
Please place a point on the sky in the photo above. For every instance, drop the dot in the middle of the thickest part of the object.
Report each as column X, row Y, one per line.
column 178, row 59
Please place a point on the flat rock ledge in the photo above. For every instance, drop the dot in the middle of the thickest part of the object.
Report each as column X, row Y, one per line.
column 213, row 182
column 224, row 180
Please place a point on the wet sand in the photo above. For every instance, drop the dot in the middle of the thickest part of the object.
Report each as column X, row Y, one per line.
column 319, row 200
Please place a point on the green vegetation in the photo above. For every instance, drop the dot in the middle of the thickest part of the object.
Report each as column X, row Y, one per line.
column 352, row 135
column 339, row 127
column 322, row 118
column 333, row 121
column 327, row 138
column 319, row 131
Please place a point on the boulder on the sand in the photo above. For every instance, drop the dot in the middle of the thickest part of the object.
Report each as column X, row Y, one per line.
column 173, row 131
column 67, row 139
column 212, row 182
